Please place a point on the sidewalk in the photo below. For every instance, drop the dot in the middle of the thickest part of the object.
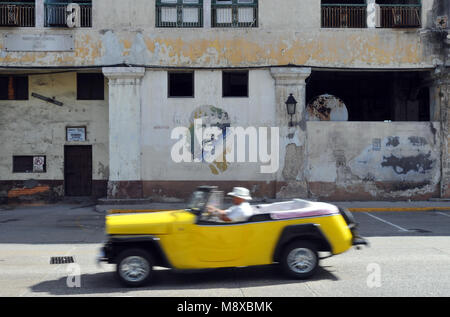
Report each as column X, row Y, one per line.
column 353, row 206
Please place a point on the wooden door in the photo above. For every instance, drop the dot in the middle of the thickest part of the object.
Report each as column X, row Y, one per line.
column 78, row 170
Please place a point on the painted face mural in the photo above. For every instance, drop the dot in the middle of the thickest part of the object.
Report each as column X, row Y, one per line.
column 210, row 148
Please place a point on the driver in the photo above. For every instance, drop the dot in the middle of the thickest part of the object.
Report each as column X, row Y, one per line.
column 241, row 209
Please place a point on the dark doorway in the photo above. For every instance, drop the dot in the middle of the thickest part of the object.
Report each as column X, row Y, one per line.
column 78, row 170
column 376, row 95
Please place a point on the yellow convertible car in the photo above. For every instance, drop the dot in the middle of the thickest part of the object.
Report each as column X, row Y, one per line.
column 290, row 233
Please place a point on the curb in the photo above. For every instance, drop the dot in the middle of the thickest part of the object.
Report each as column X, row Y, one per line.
column 399, row 209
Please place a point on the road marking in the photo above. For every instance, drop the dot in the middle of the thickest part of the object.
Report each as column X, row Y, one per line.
column 398, row 209
column 387, row 222
column 441, row 213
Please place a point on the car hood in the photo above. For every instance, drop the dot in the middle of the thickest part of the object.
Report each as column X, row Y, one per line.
column 155, row 223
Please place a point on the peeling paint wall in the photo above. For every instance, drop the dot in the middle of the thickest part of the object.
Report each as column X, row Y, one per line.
column 35, row 127
column 374, row 160
column 160, row 115
column 125, row 32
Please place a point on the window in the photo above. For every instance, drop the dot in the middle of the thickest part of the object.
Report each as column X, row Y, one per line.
column 13, row 87
column 13, row 13
column 388, row 13
column 235, row 84
column 399, row 13
column 179, row 13
column 56, row 15
column 29, row 164
column 181, row 84
column 344, row 14
column 235, row 13
column 90, row 86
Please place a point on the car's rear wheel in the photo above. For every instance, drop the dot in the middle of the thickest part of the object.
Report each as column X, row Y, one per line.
column 300, row 259
column 134, row 267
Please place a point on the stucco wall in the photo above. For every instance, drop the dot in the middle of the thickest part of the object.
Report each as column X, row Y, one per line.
column 35, row 127
column 160, row 115
column 374, row 160
column 289, row 33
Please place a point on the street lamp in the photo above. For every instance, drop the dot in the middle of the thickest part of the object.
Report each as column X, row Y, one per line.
column 291, row 105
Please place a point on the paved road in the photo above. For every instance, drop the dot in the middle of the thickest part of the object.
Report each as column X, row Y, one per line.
column 409, row 256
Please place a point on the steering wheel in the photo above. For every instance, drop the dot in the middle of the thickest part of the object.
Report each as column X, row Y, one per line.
column 207, row 215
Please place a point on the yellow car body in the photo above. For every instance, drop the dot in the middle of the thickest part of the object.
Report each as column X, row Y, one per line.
column 189, row 245
column 289, row 233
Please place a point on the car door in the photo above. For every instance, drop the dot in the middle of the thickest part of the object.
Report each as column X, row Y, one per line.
column 220, row 242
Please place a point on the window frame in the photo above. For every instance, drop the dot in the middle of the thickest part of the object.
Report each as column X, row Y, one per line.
column 15, row 169
column 247, row 72
column 24, row 14
column 94, row 97
column 171, row 72
column 25, row 94
column 179, row 5
column 85, row 15
column 234, row 5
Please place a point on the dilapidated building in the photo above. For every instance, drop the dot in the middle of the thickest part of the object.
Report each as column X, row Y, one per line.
column 91, row 92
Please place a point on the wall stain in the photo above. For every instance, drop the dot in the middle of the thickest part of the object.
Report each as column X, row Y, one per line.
column 419, row 164
column 417, row 141
column 393, row 141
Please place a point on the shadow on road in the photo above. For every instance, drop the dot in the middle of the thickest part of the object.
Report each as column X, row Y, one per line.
column 168, row 280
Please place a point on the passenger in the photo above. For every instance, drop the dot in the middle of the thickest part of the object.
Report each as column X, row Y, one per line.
column 241, row 209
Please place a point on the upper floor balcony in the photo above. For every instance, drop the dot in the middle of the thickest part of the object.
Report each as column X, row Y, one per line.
column 378, row 13
column 225, row 33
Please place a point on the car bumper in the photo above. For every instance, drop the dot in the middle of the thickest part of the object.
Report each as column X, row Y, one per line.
column 357, row 240
column 101, row 256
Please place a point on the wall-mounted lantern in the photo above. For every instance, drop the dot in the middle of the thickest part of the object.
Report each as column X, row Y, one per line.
column 291, row 107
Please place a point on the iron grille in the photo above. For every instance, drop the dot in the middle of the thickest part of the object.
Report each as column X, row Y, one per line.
column 56, row 15
column 20, row 14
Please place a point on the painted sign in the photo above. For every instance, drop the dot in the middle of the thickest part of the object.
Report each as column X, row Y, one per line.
column 76, row 134
column 38, row 164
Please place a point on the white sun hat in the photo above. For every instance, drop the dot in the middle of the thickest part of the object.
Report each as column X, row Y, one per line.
column 240, row 192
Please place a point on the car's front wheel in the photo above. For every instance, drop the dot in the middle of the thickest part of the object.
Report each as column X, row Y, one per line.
column 300, row 259
column 134, row 267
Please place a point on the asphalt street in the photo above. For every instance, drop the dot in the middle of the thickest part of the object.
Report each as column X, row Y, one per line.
column 409, row 255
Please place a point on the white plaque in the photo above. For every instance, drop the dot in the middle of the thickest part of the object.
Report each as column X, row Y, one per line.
column 39, row 42
column 76, row 134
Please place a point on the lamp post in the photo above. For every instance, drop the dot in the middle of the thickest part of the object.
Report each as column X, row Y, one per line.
column 291, row 106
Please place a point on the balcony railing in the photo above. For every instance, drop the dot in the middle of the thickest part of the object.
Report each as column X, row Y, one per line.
column 56, row 15
column 17, row 14
column 400, row 16
column 344, row 16
column 179, row 14
column 235, row 14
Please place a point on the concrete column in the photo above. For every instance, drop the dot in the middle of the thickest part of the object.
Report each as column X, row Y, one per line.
column 124, row 131
column 207, row 14
column 441, row 89
column 291, row 177
column 39, row 13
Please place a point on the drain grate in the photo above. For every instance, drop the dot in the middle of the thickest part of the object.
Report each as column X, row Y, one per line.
column 61, row 259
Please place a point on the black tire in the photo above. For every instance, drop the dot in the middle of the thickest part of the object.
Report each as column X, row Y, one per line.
column 141, row 271
column 306, row 255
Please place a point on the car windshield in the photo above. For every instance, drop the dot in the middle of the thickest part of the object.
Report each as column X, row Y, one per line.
column 198, row 200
